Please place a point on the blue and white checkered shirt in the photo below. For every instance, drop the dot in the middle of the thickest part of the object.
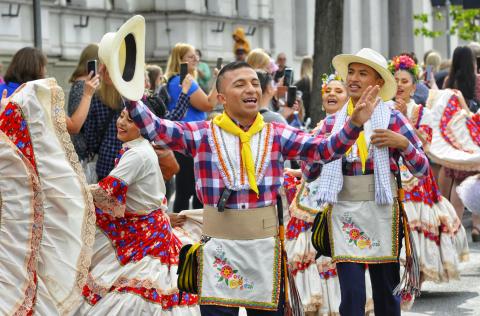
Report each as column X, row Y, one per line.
column 108, row 147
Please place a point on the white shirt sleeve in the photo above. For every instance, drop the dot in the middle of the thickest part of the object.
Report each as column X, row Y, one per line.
column 129, row 167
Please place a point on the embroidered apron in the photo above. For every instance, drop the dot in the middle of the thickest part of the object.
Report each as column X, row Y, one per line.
column 240, row 272
column 244, row 273
column 364, row 232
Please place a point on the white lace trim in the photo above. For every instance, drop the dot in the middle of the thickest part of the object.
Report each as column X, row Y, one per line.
column 89, row 225
column 28, row 303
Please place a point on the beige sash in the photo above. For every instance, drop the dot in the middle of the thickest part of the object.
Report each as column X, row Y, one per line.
column 255, row 223
column 362, row 188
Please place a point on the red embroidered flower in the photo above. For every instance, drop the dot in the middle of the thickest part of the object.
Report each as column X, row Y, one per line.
column 354, row 234
column 226, row 272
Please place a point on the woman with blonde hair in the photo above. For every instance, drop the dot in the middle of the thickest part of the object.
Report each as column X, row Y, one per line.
column 258, row 59
column 199, row 104
column 80, row 97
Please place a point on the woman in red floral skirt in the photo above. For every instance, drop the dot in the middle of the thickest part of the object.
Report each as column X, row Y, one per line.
column 135, row 258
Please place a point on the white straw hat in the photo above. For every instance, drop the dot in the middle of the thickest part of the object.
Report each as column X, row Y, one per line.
column 369, row 57
column 123, row 53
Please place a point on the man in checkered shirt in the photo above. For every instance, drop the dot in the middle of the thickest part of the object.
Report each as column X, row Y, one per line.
column 364, row 221
column 238, row 270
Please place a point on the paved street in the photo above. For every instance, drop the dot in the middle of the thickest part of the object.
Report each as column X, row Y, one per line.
column 457, row 297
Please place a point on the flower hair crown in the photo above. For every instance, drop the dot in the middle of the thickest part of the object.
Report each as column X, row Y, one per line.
column 326, row 79
column 404, row 62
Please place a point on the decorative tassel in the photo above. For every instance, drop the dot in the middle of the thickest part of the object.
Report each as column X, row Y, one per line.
column 293, row 304
column 295, row 301
column 409, row 286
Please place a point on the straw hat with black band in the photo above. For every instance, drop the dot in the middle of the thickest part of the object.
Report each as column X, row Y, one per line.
column 371, row 58
column 123, row 53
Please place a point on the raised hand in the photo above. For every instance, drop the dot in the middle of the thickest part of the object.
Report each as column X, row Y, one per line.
column 187, row 83
column 5, row 100
column 365, row 106
column 91, row 84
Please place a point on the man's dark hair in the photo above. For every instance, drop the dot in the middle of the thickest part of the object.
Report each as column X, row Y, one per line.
column 230, row 67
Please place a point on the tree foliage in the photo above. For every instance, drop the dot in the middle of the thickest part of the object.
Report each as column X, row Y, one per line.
column 464, row 23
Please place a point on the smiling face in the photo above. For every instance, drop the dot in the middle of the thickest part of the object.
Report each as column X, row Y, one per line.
column 126, row 128
column 359, row 77
column 334, row 97
column 406, row 86
column 240, row 93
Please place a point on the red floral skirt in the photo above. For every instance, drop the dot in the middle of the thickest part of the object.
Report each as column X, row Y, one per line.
column 136, row 236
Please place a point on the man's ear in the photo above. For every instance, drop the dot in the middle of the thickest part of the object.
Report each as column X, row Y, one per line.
column 221, row 98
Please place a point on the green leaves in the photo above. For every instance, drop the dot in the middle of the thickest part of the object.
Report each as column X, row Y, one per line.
column 464, row 23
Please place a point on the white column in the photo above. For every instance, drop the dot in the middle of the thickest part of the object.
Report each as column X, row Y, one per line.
column 283, row 25
column 353, row 26
column 422, row 44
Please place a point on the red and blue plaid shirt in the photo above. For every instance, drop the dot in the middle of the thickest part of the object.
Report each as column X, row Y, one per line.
column 289, row 143
column 414, row 157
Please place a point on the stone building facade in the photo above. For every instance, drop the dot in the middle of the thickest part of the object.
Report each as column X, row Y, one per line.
column 275, row 25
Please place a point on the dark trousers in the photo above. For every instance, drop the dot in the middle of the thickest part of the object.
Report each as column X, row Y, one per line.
column 384, row 277
column 185, row 185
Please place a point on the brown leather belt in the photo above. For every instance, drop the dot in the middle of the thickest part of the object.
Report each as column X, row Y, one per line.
column 362, row 188
column 247, row 224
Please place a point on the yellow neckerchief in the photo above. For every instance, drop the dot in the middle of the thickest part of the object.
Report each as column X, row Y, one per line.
column 225, row 122
column 361, row 143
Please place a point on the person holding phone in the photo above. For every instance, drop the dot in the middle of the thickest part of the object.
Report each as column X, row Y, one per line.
column 200, row 103
column 80, row 97
column 84, row 80
column 282, row 65
column 268, row 91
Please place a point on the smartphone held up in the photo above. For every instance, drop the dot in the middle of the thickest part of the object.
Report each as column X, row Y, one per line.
column 291, row 96
column 288, row 77
column 92, row 67
column 183, row 72
column 428, row 73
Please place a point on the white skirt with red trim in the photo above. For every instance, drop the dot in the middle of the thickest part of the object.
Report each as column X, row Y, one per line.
column 134, row 268
column 455, row 133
